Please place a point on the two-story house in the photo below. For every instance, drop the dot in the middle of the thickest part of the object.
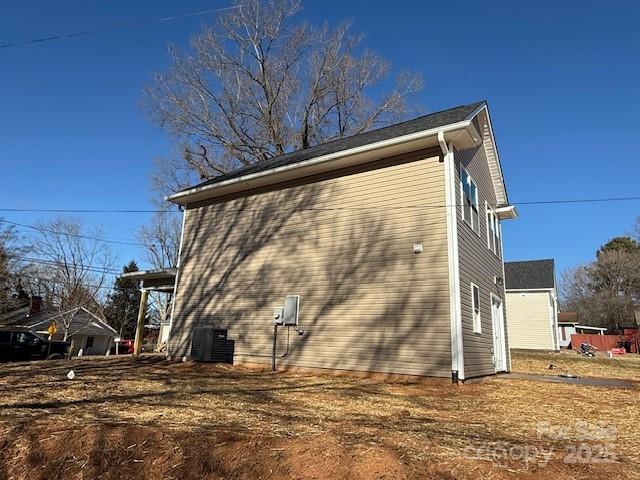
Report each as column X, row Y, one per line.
column 390, row 240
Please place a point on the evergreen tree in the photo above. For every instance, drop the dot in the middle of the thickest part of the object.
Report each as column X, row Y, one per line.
column 620, row 244
column 12, row 293
column 123, row 303
column 5, row 289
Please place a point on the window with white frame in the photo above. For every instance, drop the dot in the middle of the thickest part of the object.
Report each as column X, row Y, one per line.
column 493, row 230
column 469, row 194
column 475, row 306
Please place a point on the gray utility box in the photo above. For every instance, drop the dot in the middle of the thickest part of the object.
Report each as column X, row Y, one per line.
column 291, row 307
column 288, row 315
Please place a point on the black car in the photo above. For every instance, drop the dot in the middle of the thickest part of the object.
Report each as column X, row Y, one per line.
column 24, row 345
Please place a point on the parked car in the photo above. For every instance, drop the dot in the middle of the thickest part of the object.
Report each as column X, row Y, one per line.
column 23, row 345
column 125, row 347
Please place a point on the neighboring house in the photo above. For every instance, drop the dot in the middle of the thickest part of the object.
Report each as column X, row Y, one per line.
column 87, row 332
column 391, row 239
column 532, row 304
column 568, row 324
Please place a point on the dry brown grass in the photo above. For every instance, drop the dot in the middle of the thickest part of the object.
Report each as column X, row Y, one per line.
column 624, row 367
column 163, row 420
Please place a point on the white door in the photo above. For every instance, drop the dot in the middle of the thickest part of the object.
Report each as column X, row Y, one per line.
column 499, row 347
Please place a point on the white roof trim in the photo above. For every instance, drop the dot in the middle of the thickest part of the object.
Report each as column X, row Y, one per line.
column 101, row 323
column 506, row 213
column 493, row 159
column 257, row 179
column 515, row 290
column 182, row 197
column 588, row 327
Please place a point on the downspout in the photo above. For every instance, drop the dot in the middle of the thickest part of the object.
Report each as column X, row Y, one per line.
column 455, row 311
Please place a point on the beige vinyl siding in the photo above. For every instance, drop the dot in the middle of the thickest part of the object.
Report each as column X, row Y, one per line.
column 344, row 243
column 478, row 265
column 529, row 320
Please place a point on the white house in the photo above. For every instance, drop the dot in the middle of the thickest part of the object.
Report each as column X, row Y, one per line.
column 568, row 325
column 532, row 305
column 84, row 330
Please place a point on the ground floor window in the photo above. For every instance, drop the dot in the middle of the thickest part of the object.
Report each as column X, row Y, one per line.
column 475, row 304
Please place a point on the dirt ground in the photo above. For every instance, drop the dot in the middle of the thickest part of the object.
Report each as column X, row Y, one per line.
column 150, row 419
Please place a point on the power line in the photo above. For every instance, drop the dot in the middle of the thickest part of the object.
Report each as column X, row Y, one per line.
column 78, row 235
column 56, row 263
column 521, row 203
column 60, row 282
column 111, row 28
column 69, row 210
column 581, row 200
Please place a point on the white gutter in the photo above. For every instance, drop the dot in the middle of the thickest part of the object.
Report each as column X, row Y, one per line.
column 178, row 197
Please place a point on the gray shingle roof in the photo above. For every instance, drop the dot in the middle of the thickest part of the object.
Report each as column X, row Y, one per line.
column 426, row 122
column 81, row 322
column 530, row 274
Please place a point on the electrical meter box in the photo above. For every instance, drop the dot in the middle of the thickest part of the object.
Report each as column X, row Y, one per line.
column 288, row 315
column 278, row 315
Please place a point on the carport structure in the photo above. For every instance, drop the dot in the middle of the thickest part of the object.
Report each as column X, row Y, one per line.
column 161, row 280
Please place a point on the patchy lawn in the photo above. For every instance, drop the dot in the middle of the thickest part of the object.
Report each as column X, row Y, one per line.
column 626, row 367
column 152, row 419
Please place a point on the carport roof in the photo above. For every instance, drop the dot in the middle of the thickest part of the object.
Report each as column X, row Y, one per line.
column 159, row 280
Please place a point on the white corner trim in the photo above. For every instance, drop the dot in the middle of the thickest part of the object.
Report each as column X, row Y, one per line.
column 175, row 284
column 504, row 304
column 455, row 309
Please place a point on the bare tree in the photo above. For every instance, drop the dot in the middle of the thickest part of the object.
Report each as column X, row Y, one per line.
column 12, row 268
column 260, row 83
column 161, row 241
column 72, row 267
column 605, row 292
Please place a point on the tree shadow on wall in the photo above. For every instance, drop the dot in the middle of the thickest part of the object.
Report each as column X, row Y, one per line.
column 367, row 301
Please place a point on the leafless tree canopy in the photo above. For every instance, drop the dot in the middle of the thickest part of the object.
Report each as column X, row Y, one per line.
column 161, row 242
column 72, row 268
column 260, row 83
column 605, row 292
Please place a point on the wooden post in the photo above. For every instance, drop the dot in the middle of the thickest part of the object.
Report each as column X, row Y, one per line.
column 137, row 344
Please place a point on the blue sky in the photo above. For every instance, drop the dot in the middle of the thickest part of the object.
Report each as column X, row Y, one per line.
column 562, row 80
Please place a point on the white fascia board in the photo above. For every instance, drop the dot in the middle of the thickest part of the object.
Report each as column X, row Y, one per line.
column 327, row 162
column 506, row 213
column 101, row 322
column 533, row 290
column 491, row 152
column 587, row 327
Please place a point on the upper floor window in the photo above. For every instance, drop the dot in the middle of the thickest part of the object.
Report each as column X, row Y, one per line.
column 469, row 195
column 493, row 230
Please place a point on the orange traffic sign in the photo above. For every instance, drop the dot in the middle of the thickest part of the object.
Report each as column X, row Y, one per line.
column 53, row 328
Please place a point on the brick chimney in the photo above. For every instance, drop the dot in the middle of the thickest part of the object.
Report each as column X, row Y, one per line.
column 35, row 305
